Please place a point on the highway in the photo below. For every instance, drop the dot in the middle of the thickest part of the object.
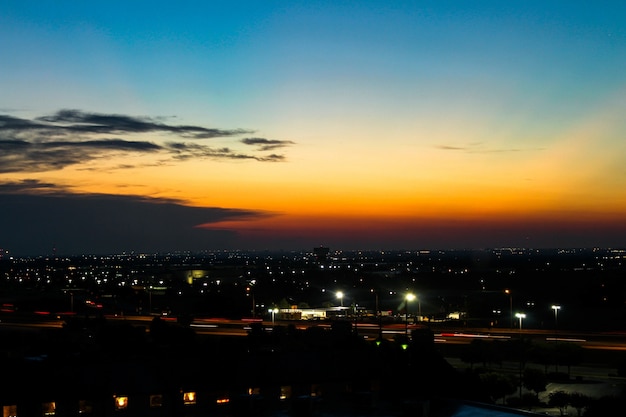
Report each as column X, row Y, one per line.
column 444, row 333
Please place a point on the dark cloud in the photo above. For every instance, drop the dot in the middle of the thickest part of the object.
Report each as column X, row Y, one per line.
column 11, row 145
column 110, row 144
column 266, row 144
column 38, row 216
column 23, row 156
column 28, row 186
column 83, row 122
column 70, row 137
column 181, row 151
column 273, row 158
column 15, row 124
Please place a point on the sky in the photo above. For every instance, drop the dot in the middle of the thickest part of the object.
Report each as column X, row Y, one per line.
column 154, row 126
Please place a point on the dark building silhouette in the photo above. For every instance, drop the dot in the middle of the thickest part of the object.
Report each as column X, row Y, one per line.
column 321, row 253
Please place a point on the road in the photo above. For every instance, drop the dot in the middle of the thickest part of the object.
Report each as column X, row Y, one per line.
column 444, row 333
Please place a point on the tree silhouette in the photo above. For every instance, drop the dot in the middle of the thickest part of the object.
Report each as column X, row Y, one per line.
column 559, row 399
column 543, row 354
column 569, row 354
column 498, row 385
column 578, row 401
column 535, row 380
column 474, row 353
column 605, row 406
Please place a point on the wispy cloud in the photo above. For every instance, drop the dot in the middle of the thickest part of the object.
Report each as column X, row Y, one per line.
column 30, row 186
column 182, row 150
column 480, row 147
column 451, row 148
column 266, row 144
column 76, row 121
column 70, row 137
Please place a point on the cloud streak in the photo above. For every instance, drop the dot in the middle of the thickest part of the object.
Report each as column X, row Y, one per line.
column 70, row 137
column 479, row 148
column 76, row 121
column 267, row 144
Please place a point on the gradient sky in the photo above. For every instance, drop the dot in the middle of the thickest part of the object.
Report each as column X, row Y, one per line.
column 160, row 126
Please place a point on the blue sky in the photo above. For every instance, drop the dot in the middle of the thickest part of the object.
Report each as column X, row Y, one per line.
column 247, row 50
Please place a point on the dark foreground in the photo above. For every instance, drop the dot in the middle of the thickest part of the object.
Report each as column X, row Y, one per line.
column 98, row 368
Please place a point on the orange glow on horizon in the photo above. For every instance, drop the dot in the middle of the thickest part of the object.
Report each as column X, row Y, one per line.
column 389, row 226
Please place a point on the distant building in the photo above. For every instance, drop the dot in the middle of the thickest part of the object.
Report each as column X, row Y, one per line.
column 321, row 253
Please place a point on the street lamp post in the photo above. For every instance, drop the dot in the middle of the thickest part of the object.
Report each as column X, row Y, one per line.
column 407, row 298
column 356, row 318
column 340, row 296
column 556, row 309
column 378, row 315
column 273, row 311
column 508, row 292
column 520, row 316
column 419, row 309
column 376, row 300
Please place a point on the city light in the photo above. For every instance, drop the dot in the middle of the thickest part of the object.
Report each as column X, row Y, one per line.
column 273, row 312
column 409, row 297
column 556, row 309
column 340, row 296
column 121, row 402
column 189, row 398
column 380, row 301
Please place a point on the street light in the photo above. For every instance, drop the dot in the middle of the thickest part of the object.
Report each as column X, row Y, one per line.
column 373, row 291
column 150, row 299
column 273, row 311
column 520, row 316
column 340, row 296
column 556, row 309
column 407, row 298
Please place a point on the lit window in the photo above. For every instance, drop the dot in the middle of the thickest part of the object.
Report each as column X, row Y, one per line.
column 285, row 392
column 49, row 408
column 121, row 403
column 9, row 411
column 189, row 398
column 222, row 400
column 316, row 390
